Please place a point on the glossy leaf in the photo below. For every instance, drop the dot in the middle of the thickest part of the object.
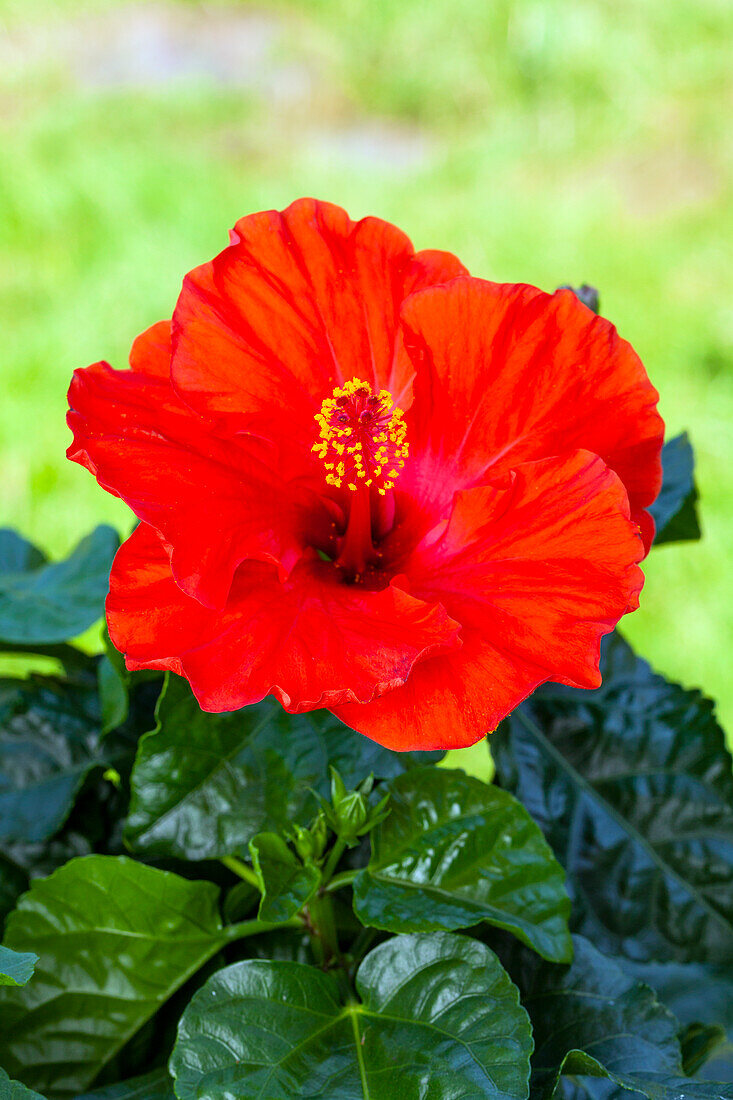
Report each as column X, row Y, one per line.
column 152, row 1086
column 114, row 682
column 204, row 784
column 49, row 602
column 699, row 994
column 695, row 992
column 675, row 509
column 115, row 939
column 16, row 968
column 287, row 885
column 437, row 1018
column 453, row 852
column 632, row 786
column 656, row 1086
column 13, row 1090
column 287, row 944
column 49, row 741
column 94, row 823
column 591, row 1018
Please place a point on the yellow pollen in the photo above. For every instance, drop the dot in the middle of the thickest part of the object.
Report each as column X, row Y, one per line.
column 375, row 431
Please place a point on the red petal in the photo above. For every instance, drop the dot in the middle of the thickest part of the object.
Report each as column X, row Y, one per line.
column 506, row 374
column 299, row 302
column 536, row 569
column 311, row 641
column 151, row 351
column 216, row 503
column 446, row 702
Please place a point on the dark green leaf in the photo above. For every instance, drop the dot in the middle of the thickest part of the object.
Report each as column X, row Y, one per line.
column 698, row 1042
column 438, row 1018
column 453, row 852
column 693, row 991
column 591, row 1018
column 632, row 786
column 204, row 784
column 16, row 968
column 287, row 885
column 657, row 1086
column 355, row 756
column 112, row 694
column 153, row 1086
column 13, row 881
column 675, row 511
column 241, row 902
column 44, row 603
column 20, row 863
column 660, row 1086
column 17, row 555
column 13, row 1090
column 49, row 741
column 95, row 821
column 287, row 944
column 115, row 939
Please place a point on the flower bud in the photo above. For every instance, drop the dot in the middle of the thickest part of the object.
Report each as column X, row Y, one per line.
column 310, row 843
column 349, row 814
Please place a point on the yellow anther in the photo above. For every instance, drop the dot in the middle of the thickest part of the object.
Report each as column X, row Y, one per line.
column 360, row 436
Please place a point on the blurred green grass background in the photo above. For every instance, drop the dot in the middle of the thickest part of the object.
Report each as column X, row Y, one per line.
column 544, row 141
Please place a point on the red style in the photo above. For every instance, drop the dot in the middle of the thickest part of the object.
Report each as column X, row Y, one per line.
column 370, row 482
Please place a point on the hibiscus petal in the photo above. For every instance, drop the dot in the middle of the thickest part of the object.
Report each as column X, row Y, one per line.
column 299, row 302
column 507, row 374
column 216, row 502
column 536, row 568
column 311, row 641
column 151, row 351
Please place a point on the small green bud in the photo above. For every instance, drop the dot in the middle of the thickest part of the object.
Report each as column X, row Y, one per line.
column 338, row 787
column 310, row 844
column 319, row 832
column 349, row 813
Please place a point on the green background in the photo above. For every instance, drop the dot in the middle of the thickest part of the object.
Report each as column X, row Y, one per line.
column 543, row 141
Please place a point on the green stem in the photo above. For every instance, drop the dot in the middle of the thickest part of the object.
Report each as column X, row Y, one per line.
column 253, row 927
column 240, row 868
column 323, row 928
column 332, row 862
column 344, row 879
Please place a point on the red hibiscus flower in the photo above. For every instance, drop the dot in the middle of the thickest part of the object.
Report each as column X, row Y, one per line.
column 371, row 483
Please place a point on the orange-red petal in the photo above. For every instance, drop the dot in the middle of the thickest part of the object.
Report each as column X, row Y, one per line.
column 507, row 374
column 311, row 641
column 536, row 568
column 217, row 502
column 300, row 302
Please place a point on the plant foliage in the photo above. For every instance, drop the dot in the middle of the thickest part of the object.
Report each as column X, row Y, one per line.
column 258, row 905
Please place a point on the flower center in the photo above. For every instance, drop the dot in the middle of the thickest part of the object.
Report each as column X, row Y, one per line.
column 361, row 437
column 362, row 444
